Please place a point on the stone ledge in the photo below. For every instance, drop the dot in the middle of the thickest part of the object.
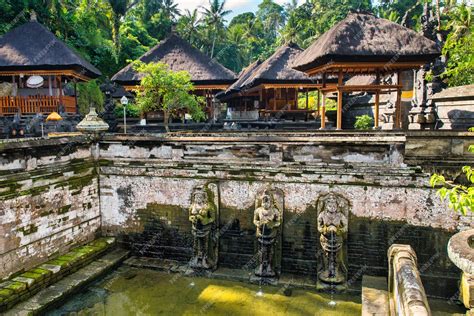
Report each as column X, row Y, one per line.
column 374, row 296
column 53, row 295
column 24, row 285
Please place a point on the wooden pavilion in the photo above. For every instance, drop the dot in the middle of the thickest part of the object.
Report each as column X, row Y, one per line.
column 271, row 87
column 363, row 44
column 208, row 76
column 32, row 50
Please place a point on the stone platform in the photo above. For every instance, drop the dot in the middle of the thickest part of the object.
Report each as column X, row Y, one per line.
column 53, row 295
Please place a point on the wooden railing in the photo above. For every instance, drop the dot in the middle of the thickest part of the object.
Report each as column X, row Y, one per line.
column 36, row 104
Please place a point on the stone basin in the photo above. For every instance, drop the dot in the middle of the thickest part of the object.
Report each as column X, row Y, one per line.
column 461, row 250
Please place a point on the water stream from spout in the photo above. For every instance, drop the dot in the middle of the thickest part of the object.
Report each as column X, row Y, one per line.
column 260, row 291
column 332, row 269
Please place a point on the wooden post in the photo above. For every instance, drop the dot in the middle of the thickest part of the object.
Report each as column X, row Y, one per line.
column 376, row 112
column 339, row 101
column 319, row 102
column 398, row 107
column 323, row 112
column 75, row 95
column 60, row 93
column 307, row 100
column 274, row 99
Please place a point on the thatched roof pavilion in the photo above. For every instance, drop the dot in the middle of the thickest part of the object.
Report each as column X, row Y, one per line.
column 365, row 44
column 180, row 55
column 31, row 53
column 272, row 82
column 32, row 49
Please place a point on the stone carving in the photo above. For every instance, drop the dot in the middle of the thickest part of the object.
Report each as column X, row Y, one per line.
column 203, row 215
column 268, row 217
column 333, row 211
column 109, row 115
column 406, row 292
column 423, row 114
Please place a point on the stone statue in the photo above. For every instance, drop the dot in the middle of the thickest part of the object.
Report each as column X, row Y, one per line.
column 203, row 216
column 332, row 220
column 422, row 114
column 109, row 115
column 267, row 218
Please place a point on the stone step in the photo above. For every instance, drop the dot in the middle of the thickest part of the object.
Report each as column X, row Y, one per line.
column 375, row 301
column 53, row 295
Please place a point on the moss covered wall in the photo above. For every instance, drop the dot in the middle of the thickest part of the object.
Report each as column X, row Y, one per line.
column 146, row 186
column 48, row 201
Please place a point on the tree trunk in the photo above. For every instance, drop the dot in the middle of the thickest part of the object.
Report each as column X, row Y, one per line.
column 214, row 42
column 166, row 118
column 116, row 35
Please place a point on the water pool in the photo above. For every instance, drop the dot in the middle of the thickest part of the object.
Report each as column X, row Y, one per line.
column 132, row 291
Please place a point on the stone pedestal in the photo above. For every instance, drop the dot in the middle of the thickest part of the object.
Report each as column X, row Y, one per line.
column 461, row 253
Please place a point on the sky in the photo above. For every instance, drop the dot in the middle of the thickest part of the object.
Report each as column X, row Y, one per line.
column 237, row 6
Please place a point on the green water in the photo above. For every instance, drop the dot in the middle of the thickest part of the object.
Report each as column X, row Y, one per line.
column 130, row 291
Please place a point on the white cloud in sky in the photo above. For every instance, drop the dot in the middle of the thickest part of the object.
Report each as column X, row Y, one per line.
column 237, row 6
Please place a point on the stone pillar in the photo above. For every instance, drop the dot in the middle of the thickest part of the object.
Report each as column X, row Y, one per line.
column 406, row 291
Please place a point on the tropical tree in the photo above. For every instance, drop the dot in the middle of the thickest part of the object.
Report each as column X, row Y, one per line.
column 459, row 196
column 164, row 90
column 119, row 9
column 458, row 45
column 188, row 25
column 170, row 9
column 215, row 18
column 89, row 95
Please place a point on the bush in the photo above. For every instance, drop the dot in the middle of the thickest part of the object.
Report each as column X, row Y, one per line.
column 89, row 95
column 132, row 110
column 364, row 122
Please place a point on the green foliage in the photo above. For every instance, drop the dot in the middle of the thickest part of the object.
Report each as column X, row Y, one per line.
column 167, row 91
column 460, row 197
column 89, row 95
column 110, row 33
column 132, row 110
column 459, row 46
column 364, row 122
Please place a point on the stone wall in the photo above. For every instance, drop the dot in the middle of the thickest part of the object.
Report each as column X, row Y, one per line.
column 56, row 193
column 146, row 185
column 48, row 200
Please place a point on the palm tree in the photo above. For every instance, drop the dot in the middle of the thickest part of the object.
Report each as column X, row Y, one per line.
column 190, row 21
column 119, row 9
column 214, row 16
column 170, row 9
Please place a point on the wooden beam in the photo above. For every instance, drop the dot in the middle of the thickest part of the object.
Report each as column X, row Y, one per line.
column 364, row 67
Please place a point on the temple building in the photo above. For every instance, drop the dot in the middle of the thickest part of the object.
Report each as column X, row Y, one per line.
column 271, row 89
column 208, row 76
column 35, row 67
column 363, row 44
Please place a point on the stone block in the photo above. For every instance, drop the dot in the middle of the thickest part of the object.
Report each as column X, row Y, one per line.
column 375, row 300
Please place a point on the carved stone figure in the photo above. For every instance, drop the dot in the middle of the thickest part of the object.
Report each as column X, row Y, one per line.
column 203, row 216
column 268, row 219
column 109, row 115
column 332, row 219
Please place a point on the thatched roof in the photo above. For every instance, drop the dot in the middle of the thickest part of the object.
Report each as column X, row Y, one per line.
column 32, row 46
column 243, row 76
column 277, row 69
column 362, row 37
column 179, row 55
